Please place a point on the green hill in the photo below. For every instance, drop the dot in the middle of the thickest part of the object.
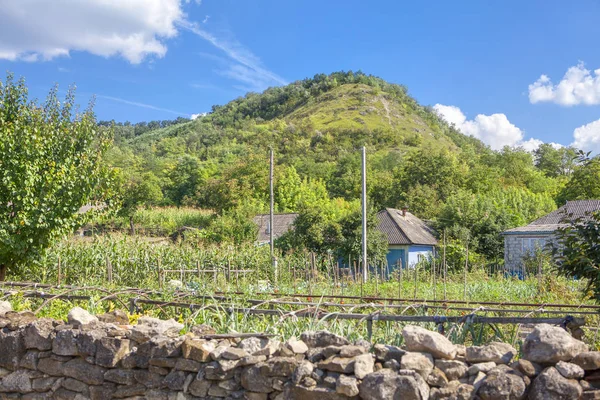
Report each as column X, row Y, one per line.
column 316, row 127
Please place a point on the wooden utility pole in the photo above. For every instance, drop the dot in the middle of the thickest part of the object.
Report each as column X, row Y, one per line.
column 444, row 264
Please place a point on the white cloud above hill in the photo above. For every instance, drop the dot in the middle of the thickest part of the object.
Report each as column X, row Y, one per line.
column 578, row 86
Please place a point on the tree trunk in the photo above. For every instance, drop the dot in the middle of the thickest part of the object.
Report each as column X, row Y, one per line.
column 131, row 226
column 3, row 269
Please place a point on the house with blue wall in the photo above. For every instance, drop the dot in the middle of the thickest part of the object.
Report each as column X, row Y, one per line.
column 409, row 238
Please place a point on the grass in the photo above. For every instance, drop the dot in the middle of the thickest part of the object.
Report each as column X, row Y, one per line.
column 135, row 262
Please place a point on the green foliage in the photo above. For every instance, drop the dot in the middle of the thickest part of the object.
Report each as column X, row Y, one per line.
column 577, row 252
column 585, row 182
column 50, row 166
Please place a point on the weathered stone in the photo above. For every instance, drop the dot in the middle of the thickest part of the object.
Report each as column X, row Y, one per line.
column 351, row 351
column 296, row 346
column 322, row 339
column 452, row 369
column 419, row 362
column 184, row 364
column 384, row 352
column 102, row 392
column 502, row 383
column 484, row 367
column 234, row 353
column 551, row 385
column 197, row 349
column 437, row 378
column 423, row 340
column 199, row 387
column 163, row 362
column 305, row 368
column 51, row 366
column 5, row 307
column 166, row 347
column 30, row 360
column 214, row 372
column 75, row 386
column 65, row 343
column 500, row 353
column 548, row 344
column 527, row 367
column 253, row 380
column 251, row 360
column 148, row 327
column 79, row 317
column 387, row 384
column 338, row 364
column 347, row 385
column 87, row 342
column 116, row 317
column 64, row 394
column 175, row 380
column 43, row 384
column 216, row 353
column 18, row 381
column 228, row 365
column 16, row 320
column 363, row 365
column 39, row 334
column 148, row 378
column 13, row 348
column 120, row 376
column 312, row 392
column 422, row 385
column 569, row 370
column 129, row 391
column 588, row 360
column 80, row 370
column 109, row 351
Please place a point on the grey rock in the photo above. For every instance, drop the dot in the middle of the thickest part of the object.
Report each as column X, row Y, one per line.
column 199, row 387
column 500, row 353
column 75, row 386
column 43, row 384
column 437, row 378
column 5, row 307
column 528, row 368
column 453, row 369
column 39, row 334
column 102, row 392
column 388, row 385
column 422, row 385
column 197, row 349
column 18, row 381
column 337, row 364
column 419, row 362
column 13, row 349
column 87, row 342
column 423, row 340
column 384, row 352
column 81, row 370
column 548, row 344
column 588, row 360
column 322, row 339
column 501, row 383
column 65, row 343
column 51, row 366
column 79, row 317
column 109, row 351
column 30, row 360
column 296, row 346
column 148, row 328
column 347, row 385
column 351, row 351
column 175, row 380
column 305, row 368
column 234, row 353
column 363, row 365
column 569, row 370
column 481, row 367
column 551, row 385
column 259, row 346
column 116, row 317
column 120, row 376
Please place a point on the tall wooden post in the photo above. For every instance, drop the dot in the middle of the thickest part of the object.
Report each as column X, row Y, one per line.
column 364, row 215
column 271, row 206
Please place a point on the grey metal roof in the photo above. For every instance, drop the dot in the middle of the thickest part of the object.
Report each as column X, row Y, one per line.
column 404, row 229
column 549, row 223
column 281, row 224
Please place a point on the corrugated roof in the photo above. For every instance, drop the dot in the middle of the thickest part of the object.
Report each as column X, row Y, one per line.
column 549, row 223
column 281, row 224
column 404, row 229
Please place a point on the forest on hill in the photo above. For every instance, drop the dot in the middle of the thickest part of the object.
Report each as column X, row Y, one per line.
column 316, row 128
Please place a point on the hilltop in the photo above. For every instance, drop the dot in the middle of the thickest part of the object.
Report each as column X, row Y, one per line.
column 316, row 127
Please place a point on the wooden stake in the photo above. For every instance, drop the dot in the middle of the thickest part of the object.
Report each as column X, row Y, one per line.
column 399, row 264
column 434, row 275
column 58, row 272
column 109, row 270
column 416, row 271
column 444, row 266
column 466, row 270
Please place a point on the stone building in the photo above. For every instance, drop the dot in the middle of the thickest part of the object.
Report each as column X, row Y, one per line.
column 518, row 242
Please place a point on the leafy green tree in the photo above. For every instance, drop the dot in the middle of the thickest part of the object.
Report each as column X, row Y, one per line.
column 138, row 191
column 584, row 183
column 577, row 253
column 50, row 167
column 555, row 162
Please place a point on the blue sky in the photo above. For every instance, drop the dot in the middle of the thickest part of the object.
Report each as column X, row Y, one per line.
column 508, row 72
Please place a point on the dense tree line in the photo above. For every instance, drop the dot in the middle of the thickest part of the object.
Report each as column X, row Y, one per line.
column 417, row 160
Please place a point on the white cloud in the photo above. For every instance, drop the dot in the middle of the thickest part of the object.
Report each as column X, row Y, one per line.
column 587, row 137
column 206, row 18
column 195, row 116
column 494, row 130
column 241, row 64
column 31, row 30
column 142, row 105
column 531, row 145
column 578, row 86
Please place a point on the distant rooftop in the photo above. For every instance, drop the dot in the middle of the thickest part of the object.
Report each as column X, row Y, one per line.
column 549, row 223
column 281, row 224
column 403, row 228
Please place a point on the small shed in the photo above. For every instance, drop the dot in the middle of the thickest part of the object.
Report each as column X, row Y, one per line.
column 281, row 224
column 409, row 237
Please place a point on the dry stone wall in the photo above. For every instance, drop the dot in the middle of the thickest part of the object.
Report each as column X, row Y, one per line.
column 103, row 357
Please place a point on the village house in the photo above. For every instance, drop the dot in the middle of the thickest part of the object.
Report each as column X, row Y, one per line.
column 522, row 241
column 409, row 238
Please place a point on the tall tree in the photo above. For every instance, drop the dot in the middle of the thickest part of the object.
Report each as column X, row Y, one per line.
column 50, row 167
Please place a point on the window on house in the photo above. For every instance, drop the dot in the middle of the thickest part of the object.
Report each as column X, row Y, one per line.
column 531, row 243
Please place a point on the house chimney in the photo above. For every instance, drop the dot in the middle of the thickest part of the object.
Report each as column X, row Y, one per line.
column 404, row 210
